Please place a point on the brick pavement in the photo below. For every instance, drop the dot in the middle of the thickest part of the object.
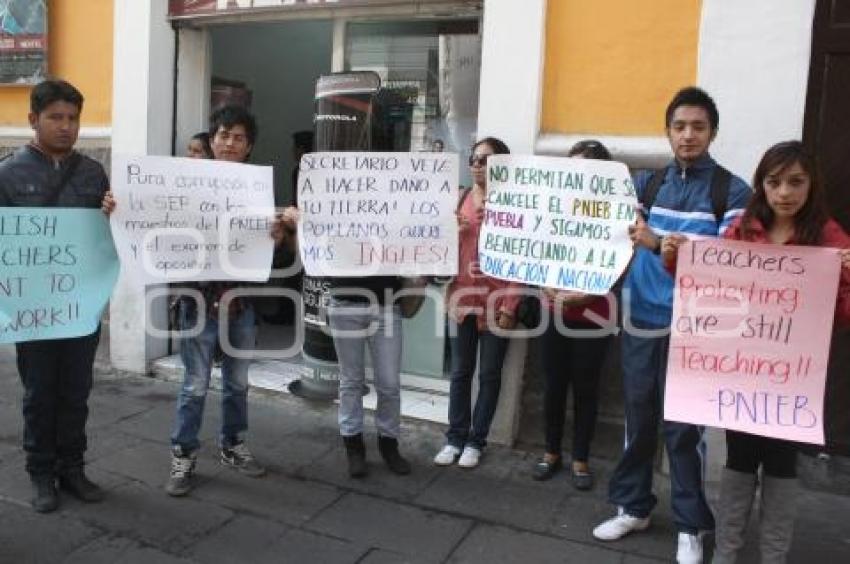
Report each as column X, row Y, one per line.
column 307, row 509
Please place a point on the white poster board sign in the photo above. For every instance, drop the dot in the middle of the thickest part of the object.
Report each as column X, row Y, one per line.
column 557, row 222
column 180, row 220
column 373, row 214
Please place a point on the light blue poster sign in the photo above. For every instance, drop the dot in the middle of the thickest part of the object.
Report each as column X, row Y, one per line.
column 57, row 270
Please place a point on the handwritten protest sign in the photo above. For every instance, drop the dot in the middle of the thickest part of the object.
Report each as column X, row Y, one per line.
column 59, row 267
column 556, row 222
column 366, row 214
column 192, row 219
column 750, row 337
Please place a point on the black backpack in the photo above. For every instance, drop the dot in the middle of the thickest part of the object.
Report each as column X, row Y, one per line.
column 720, row 183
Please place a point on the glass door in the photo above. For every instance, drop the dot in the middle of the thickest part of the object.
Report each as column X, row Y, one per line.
column 432, row 69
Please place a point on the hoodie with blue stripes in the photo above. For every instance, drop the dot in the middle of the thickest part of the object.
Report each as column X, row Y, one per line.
column 682, row 205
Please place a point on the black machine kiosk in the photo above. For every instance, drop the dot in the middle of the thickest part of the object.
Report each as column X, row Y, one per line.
column 353, row 113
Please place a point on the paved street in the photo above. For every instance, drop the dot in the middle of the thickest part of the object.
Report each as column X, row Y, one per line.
column 307, row 509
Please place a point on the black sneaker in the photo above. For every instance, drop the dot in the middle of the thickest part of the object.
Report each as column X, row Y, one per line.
column 45, row 498
column 182, row 477
column 240, row 458
column 75, row 482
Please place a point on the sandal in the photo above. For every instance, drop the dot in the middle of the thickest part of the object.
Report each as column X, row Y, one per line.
column 544, row 470
column 582, row 480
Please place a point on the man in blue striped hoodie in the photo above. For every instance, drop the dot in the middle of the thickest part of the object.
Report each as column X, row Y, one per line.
column 691, row 195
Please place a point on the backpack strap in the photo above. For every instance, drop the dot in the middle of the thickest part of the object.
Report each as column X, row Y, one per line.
column 651, row 190
column 463, row 196
column 721, row 181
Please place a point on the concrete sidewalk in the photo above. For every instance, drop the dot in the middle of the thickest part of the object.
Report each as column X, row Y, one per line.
column 307, row 509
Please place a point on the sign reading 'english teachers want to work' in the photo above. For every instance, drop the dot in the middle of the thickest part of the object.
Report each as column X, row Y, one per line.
column 57, row 270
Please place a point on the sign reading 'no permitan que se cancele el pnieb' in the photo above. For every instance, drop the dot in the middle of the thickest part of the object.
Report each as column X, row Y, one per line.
column 557, row 222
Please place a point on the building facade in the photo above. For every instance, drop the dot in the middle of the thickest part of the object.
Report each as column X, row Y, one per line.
column 539, row 74
column 79, row 49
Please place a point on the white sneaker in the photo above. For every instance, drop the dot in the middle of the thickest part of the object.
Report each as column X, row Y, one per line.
column 619, row 526
column 689, row 550
column 470, row 457
column 447, row 456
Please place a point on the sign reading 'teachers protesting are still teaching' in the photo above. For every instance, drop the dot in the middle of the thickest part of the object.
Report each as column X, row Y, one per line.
column 557, row 222
column 366, row 214
column 750, row 337
column 58, row 270
column 192, row 219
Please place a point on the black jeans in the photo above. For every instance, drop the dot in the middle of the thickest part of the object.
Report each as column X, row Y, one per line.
column 490, row 352
column 746, row 452
column 57, row 379
column 576, row 360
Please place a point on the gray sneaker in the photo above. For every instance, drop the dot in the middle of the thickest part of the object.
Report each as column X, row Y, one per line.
column 182, row 472
column 240, row 458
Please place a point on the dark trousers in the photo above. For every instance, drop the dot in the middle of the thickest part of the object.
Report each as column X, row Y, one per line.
column 467, row 344
column 57, row 379
column 644, row 372
column 571, row 360
column 746, row 452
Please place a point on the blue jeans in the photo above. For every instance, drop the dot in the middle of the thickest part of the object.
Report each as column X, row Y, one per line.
column 644, row 375
column 467, row 342
column 379, row 327
column 197, row 355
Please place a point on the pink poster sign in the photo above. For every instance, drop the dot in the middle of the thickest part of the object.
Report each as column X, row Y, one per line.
column 750, row 337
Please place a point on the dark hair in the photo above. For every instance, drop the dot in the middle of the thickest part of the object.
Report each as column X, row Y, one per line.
column 590, row 149
column 498, row 146
column 231, row 115
column 809, row 221
column 693, row 96
column 48, row 91
column 204, row 138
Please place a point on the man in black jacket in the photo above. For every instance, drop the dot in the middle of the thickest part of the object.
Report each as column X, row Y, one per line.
column 233, row 132
column 57, row 373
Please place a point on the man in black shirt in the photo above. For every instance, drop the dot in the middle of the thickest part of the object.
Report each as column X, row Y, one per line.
column 56, row 373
